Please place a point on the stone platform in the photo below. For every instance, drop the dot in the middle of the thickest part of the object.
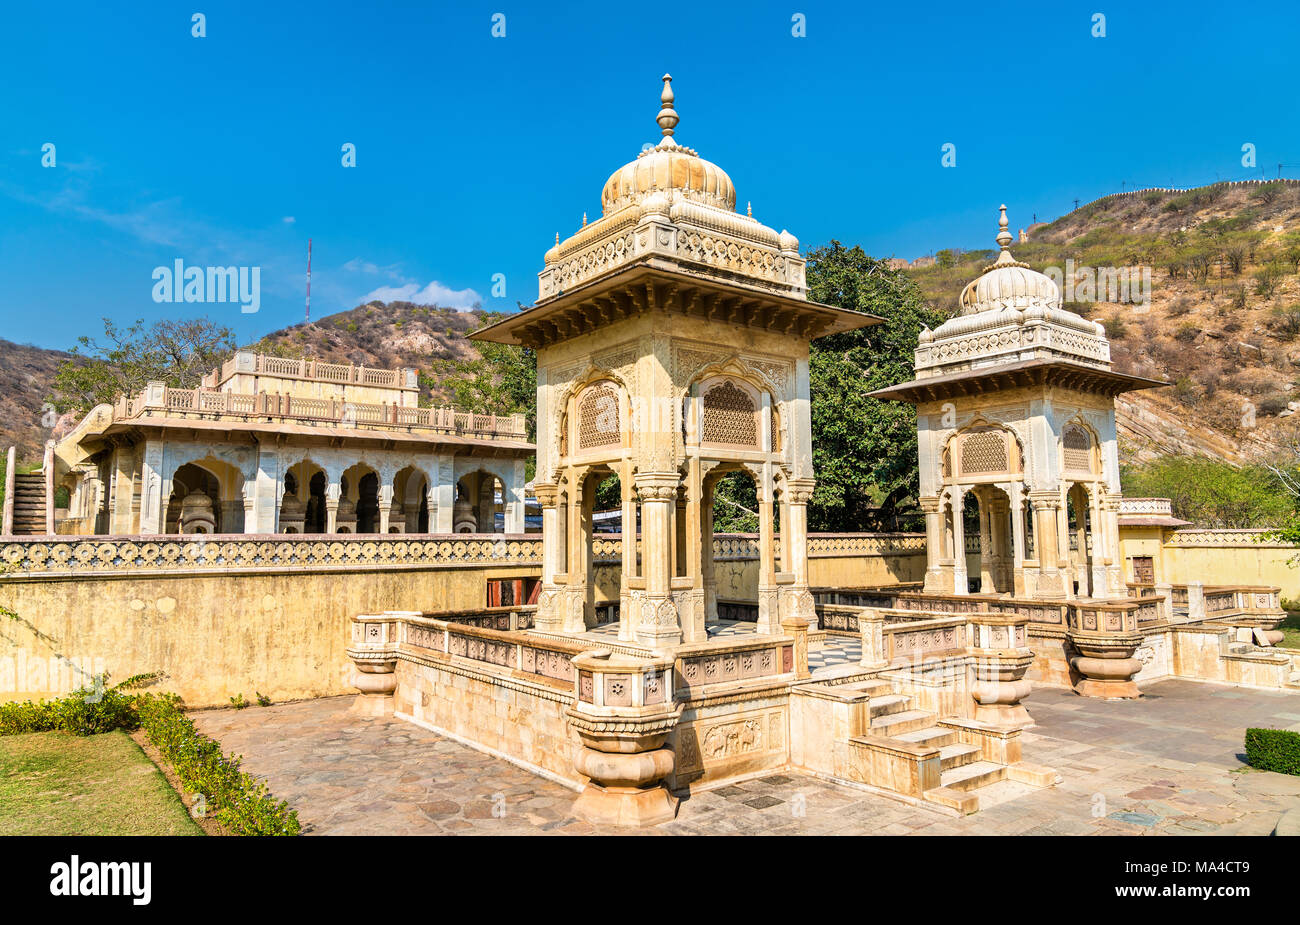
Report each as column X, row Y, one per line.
column 1165, row 764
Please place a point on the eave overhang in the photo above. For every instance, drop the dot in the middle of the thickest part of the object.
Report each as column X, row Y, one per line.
column 1027, row 373
column 647, row 289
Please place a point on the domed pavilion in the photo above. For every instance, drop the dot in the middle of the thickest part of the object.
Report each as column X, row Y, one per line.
column 1015, row 405
column 672, row 348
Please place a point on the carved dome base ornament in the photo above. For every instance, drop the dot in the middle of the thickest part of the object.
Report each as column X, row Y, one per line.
column 1106, row 665
column 1000, row 685
column 377, row 683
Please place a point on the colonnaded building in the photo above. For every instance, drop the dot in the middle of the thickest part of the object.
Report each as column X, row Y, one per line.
column 270, row 445
column 672, row 338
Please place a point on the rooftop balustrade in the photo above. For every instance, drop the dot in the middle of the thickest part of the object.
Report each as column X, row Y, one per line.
column 160, row 401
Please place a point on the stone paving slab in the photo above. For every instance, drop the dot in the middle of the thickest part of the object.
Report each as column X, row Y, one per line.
column 1167, row 764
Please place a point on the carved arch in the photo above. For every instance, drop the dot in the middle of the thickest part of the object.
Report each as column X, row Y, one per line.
column 1080, row 447
column 743, row 376
column 559, row 414
column 983, row 451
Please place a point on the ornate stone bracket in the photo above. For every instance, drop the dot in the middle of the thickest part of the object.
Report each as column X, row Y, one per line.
column 999, row 645
column 623, row 715
column 1106, row 637
column 374, row 659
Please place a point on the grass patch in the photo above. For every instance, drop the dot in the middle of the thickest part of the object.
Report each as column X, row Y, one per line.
column 1291, row 630
column 55, row 783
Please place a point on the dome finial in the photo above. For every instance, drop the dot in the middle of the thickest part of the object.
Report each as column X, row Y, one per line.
column 667, row 115
column 1004, row 233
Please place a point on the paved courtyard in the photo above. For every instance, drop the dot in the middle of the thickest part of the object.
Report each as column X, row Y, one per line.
column 1168, row 764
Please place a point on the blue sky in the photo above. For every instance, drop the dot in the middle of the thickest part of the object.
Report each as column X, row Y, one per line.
column 473, row 151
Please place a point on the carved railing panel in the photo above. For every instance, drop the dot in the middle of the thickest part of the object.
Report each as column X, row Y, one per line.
column 225, row 552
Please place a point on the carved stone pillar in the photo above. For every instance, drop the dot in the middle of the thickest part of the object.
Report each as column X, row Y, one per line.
column 934, row 571
column 332, row 492
column 769, row 606
column 708, row 577
column 960, row 580
column 798, row 630
column 623, row 714
column 657, row 622
column 1047, row 510
column 549, row 617
column 626, row 618
column 794, row 548
column 385, row 506
column 987, row 553
column 871, row 626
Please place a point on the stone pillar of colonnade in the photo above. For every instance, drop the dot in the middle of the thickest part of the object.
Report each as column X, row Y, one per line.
column 1050, row 582
column 385, row 502
column 333, row 493
column 934, row 529
column 794, row 550
column 628, row 540
column 987, row 552
column 960, row 579
column 656, row 612
column 549, row 617
column 1018, row 539
column 769, row 605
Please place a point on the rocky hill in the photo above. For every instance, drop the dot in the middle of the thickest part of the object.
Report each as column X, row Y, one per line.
column 386, row 335
column 26, row 373
column 1221, row 323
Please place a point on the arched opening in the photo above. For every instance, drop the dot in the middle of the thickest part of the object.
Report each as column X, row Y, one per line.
column 730, row 504
column 409, row 510
column 480, row 504
column 368, row 503
column 317, row 515
column 195, row 503
column 990, row 530
column 1081, row 541
column 302, row 505
column 358, row 510
column 602, row 512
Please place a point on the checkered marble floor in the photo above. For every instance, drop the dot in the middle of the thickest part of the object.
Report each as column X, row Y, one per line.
column 837, row 652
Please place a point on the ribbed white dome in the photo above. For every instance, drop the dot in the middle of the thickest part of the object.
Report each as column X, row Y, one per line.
column 1007, row 283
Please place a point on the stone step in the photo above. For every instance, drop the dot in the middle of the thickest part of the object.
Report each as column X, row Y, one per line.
column 964, row 803
column 889, row 703
column 892, row 724
column 972, row 776
column 934, row 736
column 957, row 754
column 873, row 686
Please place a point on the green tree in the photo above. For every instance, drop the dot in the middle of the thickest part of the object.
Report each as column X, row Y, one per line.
column 1212, row 493
column 502, row 379
column 864, row 449
column 179, row 353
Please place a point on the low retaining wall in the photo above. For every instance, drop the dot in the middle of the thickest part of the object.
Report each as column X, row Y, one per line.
column 236, row 614
column 224, row 615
